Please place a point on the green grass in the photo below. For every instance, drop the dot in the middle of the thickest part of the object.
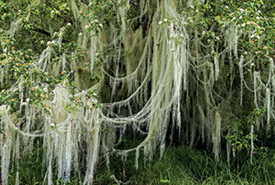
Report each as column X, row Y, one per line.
column 179, row 166
column 183, row 165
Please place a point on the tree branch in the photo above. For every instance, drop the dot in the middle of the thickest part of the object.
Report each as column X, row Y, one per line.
column 42, row 31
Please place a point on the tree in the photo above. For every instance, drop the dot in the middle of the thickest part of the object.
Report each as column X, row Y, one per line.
column 80, row 75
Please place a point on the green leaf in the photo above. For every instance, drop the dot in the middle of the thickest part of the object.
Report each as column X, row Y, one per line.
column 164, row 181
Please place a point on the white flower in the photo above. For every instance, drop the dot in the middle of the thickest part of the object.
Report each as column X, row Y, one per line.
column 203, row 32
column 101, row 25
column 160, row 22
column 87, row 26
column 96, row 20
column 28, row 99
column 191, row 6
column 165, row 20
column 45, row 90
column 243, row 25
column 69, row 24
column 52, row 125
column 191, row 21
column 259, row 11
column 49, row 43
column 218, row 38
column 197, row 11
column 80, row 34
column 62, row 29
column 257, row 17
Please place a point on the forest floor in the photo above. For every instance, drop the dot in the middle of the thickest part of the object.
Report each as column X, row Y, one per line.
column 179, row 166
column 186, row 166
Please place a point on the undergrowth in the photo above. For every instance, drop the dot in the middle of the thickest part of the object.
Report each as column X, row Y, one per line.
column 179, row 166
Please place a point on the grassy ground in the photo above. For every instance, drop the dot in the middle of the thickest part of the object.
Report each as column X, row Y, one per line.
column 179, row 166
column 182, row 165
